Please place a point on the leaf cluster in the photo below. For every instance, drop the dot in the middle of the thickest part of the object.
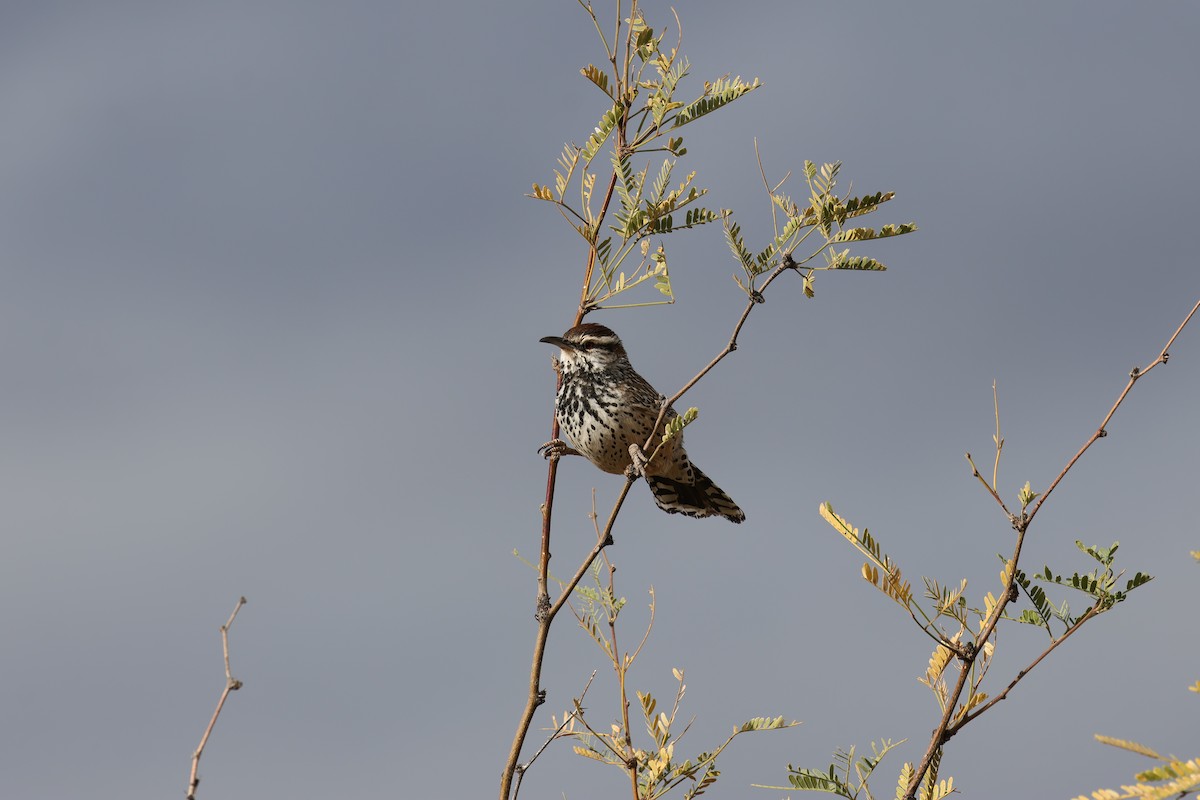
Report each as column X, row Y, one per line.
column 659, row 772
column 1172, row 777
column 1100, row 584
column 645, row 114
column 824, row 214
column 656, row 768
column 849, row 776
column 972, row 639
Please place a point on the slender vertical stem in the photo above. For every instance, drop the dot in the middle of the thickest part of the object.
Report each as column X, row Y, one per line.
column 621, row 665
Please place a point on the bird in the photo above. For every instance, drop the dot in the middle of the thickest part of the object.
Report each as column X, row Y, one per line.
column 605, row 406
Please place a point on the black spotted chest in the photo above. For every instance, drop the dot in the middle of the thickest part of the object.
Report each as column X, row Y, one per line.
column 597, row 419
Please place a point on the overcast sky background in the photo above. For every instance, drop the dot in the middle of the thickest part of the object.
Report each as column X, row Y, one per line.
column 270, row 298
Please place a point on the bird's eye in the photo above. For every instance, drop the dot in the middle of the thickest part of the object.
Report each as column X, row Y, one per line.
column 588, row 345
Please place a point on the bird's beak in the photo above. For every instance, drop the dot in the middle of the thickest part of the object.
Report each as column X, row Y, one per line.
column 557, row 341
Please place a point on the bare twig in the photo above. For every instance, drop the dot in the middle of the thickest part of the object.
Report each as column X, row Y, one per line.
column 998, row 439
column 649, row 627
column 1102, row 431
column 576, row 714
column 231, row 685
column 991, row 489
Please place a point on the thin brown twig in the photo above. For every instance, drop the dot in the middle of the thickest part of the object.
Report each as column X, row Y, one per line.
column 576, row 714
column 991, row 489
column 999, row 440
column 786, row 264
column 934, row 632
column 620, row 665
column 944, row 729
column 1101, row 431
column 601, row 738
column 231, row 685
column 649, row 627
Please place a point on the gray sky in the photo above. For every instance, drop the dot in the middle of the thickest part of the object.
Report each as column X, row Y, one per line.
column 270, row 299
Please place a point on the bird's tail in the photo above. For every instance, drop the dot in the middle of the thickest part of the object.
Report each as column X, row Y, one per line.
column 701, row 498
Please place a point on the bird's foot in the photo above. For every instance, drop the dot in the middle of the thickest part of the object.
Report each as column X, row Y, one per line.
column 556, row 449
column 637, row 462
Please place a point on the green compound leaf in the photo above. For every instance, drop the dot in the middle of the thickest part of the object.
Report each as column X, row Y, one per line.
column 717, row 94
column 602, row 130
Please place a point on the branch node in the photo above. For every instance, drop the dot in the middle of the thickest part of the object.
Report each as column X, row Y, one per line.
column 757, row 296
column 541, row 697
column 789, row 262
column 1165, row 356
column 543, row 607
column 1100, row 434
column 1135, row 373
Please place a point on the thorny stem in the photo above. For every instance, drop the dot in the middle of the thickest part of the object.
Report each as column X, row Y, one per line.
column 231, row 685
column 945, row 730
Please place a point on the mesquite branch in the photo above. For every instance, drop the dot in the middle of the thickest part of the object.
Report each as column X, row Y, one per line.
column 947, row 728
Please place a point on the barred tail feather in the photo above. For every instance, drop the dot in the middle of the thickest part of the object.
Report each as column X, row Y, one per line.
column 702, row 498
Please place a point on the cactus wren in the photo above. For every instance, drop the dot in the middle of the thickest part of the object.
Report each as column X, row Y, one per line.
column 605, row 406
